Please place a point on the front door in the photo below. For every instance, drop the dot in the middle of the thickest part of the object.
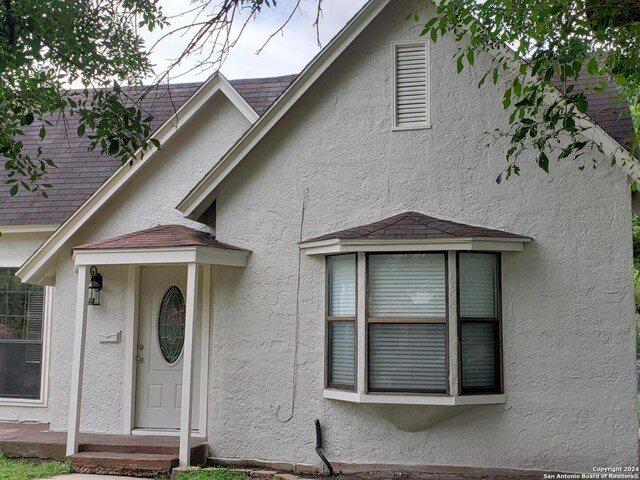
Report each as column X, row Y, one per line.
column 160, row 349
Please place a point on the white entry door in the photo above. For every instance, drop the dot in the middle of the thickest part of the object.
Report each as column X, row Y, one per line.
column 160, row 349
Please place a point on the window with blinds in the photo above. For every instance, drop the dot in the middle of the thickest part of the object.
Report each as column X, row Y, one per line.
column 479, row 318
column 411, row 85
column 21, row 326
column 341, row 321
column 407, row 317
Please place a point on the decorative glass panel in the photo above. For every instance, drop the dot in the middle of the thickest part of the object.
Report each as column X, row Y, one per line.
column 479, row 360
column 478, row 285
column 171, row 324
column 407, row 357
column 342, row 286
column 407, row 286
column 21, row 321
column 342, row 355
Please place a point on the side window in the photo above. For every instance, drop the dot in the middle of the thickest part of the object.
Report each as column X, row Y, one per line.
column 479, row 320
column 21, row 322
column 407, row 323
column 341, row 321
column 411, row 102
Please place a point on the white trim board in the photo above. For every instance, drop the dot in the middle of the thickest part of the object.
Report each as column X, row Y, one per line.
column 483, row 244
column 400, row 399
column 38, row 268
column 26, row 229
column 162, row 256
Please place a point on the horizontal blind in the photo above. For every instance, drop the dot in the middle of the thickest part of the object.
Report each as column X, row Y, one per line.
column 407, row 357
column 342, row 286
column 342, row 357
column 411, row 84
column 478, row 285
column 407, row 286
column 478, row 340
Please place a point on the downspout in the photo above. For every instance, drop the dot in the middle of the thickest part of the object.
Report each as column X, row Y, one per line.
column 319, row 448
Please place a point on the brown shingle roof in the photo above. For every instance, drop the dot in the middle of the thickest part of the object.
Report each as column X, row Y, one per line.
column 608, row 108
column 80, row 173
column 261, row 93
column 414, row 226
column 162, row 236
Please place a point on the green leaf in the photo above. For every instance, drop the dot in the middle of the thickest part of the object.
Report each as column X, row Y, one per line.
column 543, row 161
column 14, row 190
column 81, row 129
column 460, row 64
column 592, row 66
column 506, row 99
column 470, row 56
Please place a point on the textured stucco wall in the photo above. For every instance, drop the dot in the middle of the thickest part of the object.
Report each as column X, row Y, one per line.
column 15, row 249
column 567, row 300
column 148, row 200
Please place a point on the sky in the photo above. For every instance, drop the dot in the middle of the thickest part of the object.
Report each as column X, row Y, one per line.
column 288, row 52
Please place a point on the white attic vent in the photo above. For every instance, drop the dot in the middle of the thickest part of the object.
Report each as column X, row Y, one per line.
column 411, row 85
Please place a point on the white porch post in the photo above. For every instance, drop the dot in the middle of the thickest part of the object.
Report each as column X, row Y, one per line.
column 187, row 368
column 77, row 366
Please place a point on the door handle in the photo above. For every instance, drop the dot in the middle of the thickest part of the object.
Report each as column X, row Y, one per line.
column 140, row 358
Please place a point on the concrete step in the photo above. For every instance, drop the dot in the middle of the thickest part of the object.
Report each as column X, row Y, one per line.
column 114, row 447
column 118, row 463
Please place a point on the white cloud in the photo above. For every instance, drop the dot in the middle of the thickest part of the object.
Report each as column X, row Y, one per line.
column 288, row 52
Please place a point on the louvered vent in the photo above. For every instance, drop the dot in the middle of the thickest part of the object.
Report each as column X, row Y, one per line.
column 411, row 102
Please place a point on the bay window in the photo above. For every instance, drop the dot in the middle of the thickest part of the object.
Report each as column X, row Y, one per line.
column 406, row 324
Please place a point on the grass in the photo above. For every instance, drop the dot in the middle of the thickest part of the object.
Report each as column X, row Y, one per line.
column 17, row 469
column 217, row 474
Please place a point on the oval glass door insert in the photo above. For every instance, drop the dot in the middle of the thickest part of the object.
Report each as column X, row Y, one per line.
column 171, row 324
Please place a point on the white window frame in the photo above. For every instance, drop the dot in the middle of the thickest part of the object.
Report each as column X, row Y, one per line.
column 394, row 49
column 42, row 401
column 454, row 397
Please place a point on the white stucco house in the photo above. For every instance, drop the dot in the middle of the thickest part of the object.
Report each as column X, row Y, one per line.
column 330, row 246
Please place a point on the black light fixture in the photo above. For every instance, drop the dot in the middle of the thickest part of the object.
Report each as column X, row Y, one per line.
column 95, row 285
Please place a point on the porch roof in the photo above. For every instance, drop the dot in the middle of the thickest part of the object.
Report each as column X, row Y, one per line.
column 160, row 245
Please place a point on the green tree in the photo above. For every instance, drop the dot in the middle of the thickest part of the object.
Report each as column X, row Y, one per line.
column 47, row 45
column 550, row 43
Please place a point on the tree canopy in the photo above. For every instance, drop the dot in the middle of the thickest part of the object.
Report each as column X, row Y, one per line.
column 46, row 46
column 536, row 46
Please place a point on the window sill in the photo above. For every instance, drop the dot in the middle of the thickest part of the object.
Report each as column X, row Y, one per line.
column 9, row 402
column 422, row 126
column 395, row 399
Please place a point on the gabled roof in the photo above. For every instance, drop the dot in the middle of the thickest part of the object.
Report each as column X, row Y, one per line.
column 201, row 196
column 162, row 236
column 38, row 267
column 413, row 226
column 80, row 173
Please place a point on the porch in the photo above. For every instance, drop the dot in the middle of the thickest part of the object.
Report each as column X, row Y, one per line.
column 142, row 455
column 168, row 314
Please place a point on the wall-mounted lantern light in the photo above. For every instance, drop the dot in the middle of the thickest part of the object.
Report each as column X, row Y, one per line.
column 95, row 285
